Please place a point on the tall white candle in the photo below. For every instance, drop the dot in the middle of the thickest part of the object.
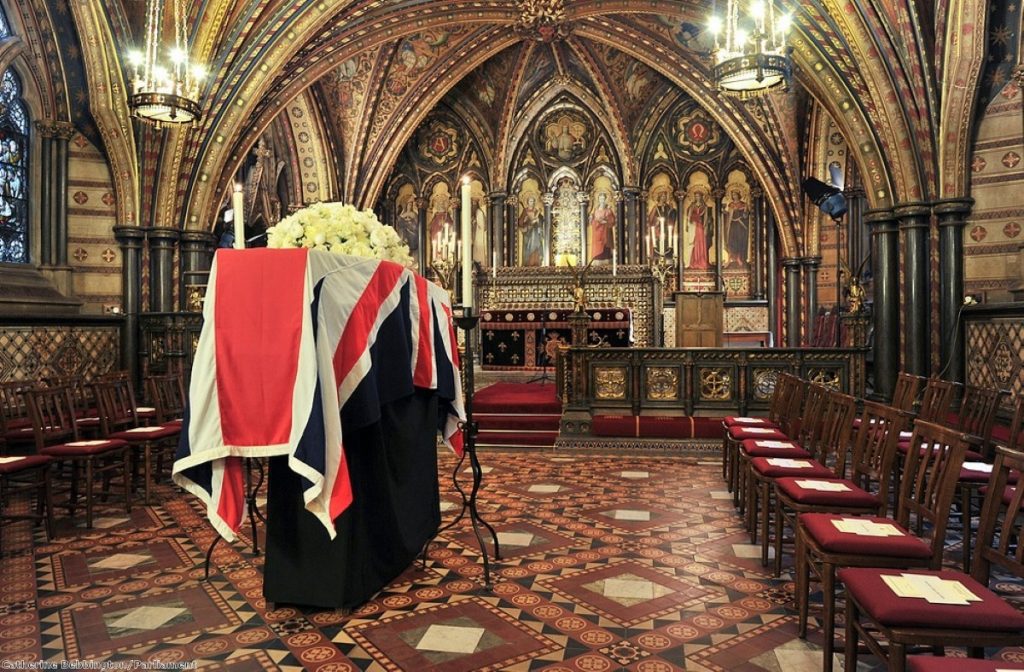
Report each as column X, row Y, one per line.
column 467, row 245
column 238, row 209
column 672, row 236
column 661, row 245
column 615, row 264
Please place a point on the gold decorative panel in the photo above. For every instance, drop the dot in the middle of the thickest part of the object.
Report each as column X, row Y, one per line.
column 715, row 383
column 764, row 381
column 610, row 382
column 662, row 383
column 830, row 378
column 31, row 352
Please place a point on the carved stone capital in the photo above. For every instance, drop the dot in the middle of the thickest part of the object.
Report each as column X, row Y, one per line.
column 548, row 199
column 421, row 203
column 59, row 130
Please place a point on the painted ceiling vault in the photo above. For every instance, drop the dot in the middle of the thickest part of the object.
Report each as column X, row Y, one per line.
column 900, row 78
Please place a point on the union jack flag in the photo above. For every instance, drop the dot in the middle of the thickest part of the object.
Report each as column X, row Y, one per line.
column 293, row 341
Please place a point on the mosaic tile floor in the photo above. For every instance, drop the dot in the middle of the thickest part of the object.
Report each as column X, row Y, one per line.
column 610, row 563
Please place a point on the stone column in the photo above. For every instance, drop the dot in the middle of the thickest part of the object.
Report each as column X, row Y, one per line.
column 197, row 248
column 497, row 206
column 421, row 224
column 810, row 272
column 162, row 242
column 757, row 228
column 855, row 250
column 46, row 224
column 632, row 225
column 952, row 215
column 549, row 200
column 886, row 301
column 771, row 277
column 583, row 199
column 620, row 230
column 130, row 239
column 63, row 132
column 792, row 270
column 719, row 227
column 914, row 221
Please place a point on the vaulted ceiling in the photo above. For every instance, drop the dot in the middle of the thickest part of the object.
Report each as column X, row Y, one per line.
column 900, row 77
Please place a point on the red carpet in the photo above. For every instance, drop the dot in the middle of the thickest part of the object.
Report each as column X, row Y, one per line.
column 517, row 415
column 517, row 398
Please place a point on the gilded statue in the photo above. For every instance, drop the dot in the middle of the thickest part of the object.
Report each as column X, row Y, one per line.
column 854, row 290
column 579, row 286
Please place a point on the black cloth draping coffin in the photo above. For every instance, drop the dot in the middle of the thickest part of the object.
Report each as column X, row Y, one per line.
column 529, row 338
column 390, row 431
column 395, row 511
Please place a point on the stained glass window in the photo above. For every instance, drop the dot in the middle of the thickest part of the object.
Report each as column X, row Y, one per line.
column 5, row 30
column 13, row 171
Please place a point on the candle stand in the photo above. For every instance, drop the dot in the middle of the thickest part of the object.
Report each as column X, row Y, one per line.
column 467, row 322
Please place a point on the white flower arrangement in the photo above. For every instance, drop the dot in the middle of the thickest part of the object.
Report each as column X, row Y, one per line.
column 340, row 228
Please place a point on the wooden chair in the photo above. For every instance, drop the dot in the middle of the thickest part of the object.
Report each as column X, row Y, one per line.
column 56, row 436
column 865, row 492
column 904, row 395
column 777, row 408
column 84, row 403
column 25, row 474
column 827, row 441
column 119, row 420
column 985, row 620
column 15, row 424
column 935, row 402
column 976, row 418
column 167, row 392
column 925, row 498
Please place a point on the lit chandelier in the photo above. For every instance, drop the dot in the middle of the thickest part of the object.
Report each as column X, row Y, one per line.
column 753, row 57
column 165, row 90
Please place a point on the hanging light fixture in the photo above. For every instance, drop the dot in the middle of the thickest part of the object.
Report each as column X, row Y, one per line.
column 751, row 55
column 165, row 87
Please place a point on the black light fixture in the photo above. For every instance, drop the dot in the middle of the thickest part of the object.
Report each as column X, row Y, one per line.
column 828, row 198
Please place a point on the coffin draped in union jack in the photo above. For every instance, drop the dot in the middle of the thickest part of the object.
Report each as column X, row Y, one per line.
column 289, row 347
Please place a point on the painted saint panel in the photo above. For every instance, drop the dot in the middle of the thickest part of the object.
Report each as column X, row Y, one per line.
column 407, row 219
column 440, row 223
column 737, row 236
column 699, row 234
column 662, row 217
column 566, row 137
column 481, row 254
column 530, row 225
column 601, row 229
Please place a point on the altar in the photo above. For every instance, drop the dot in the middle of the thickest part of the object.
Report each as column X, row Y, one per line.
column 529, row 338
column 290, row 366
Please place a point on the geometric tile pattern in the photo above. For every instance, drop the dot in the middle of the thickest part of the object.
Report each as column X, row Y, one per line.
column 614, row 563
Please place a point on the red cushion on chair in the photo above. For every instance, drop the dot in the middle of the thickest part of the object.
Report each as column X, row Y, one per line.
column 747, row 421
column 855, row 497
column 146, row 412
column 820, row 528
column 743, row 432
column 83, row 448
column 23, row 463
column 944, row 664
column 140, row 434
column 796, row 452
column 764, row 468
column 865, row 585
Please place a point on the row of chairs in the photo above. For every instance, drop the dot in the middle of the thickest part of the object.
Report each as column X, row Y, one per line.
column 830, row 478
column 89, row 434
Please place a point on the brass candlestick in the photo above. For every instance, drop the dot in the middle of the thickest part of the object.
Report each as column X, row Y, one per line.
column 662, row 265
column 444, row 270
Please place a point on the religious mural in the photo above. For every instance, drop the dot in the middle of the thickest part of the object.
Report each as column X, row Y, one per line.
column 601, row 229
column 441, row 231
column 530, row 225
column 566, row 137
column 439, row 142
column 699, row 235
column 478, row 217
column 407, row 220
column 696, row 133
column 737, row 236
column 662, row 218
